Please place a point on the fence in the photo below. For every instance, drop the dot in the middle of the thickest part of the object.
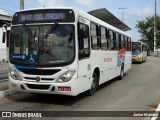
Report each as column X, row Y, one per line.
column 157, row 53
column 154, row 53
column 4, row 63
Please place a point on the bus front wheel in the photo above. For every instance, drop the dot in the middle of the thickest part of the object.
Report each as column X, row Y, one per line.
column 94, row 85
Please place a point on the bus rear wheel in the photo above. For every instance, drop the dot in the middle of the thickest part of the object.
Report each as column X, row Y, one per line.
column 94, row 85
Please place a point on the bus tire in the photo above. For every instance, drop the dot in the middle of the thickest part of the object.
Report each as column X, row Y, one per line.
column 145, row 59
column 94, row 85
column 120, row 77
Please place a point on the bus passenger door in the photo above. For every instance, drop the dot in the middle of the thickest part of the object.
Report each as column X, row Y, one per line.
column 84, row 65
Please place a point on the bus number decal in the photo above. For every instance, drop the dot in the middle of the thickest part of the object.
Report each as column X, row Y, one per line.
column 107, row 59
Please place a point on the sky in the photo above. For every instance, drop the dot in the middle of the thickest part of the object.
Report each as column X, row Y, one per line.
column 136, row 10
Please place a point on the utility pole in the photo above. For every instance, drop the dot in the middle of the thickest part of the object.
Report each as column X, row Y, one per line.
column 155, row 28
column 21, row 4
column 122, row 13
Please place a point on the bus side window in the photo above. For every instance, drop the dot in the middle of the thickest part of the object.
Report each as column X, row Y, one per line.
column 103, row 40
column 129, row 44
column 119, row 37
column 111, row 40
column 83, row 40
column 144, row 48
column 127, row 48
column 94, row 36
column 121, row 42
column 117, row 41
column 126, row 43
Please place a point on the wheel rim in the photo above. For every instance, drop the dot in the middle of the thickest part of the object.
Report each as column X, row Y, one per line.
column 93, row 86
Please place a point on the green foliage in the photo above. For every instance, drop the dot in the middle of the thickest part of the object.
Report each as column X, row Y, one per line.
column 146, row 30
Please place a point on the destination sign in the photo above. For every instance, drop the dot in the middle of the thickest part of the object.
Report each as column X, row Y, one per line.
column 44, row 16
column 136, row 43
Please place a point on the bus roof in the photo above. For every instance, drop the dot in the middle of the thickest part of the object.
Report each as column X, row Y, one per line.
column 96, row 20
column 85, row 15
column 106, row 16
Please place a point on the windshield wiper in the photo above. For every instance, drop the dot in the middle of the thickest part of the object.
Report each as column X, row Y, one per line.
column 52, row 28
column 28, row 30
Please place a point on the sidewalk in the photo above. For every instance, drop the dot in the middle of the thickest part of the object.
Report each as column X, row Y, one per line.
column 3, row 71
column 3, row 76
column 4, row 85
column 4, row 89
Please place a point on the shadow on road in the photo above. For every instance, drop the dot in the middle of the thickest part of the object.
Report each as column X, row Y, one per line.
column 110, row 82
column 46, row 99
column 56, row 99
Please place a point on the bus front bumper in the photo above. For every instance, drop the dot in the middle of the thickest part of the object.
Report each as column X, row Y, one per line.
column 44, row 88
column 137, row 59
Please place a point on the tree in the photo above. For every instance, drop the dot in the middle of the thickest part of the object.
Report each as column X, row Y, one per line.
column 146, row 30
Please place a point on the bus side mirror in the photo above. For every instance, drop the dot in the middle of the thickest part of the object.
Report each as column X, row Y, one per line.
column 4, row 37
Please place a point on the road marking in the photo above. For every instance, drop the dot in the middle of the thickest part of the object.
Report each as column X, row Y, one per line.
column 158, row 109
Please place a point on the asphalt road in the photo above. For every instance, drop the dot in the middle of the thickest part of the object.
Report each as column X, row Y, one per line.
column 138, row 91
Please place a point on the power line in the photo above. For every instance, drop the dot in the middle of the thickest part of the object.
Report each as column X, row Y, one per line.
column 7, row 10
column 42, row 3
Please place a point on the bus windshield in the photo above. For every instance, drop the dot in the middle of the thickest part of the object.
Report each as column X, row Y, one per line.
column 42, row 44
column 136, row 49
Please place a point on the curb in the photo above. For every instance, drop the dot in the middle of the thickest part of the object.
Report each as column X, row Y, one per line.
column 2, row 80
column 7, row 93
column 157, row 111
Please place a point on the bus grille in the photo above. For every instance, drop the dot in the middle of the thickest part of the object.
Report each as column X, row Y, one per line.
column 39, row 71
column 40, row 87
column 46, row 79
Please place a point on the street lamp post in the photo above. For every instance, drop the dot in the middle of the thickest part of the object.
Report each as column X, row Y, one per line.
column 155, row 29
column 21, row 4
column 122, row 13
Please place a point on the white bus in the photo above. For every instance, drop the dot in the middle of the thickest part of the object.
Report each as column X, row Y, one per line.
column 139, row 52
column 65, row 51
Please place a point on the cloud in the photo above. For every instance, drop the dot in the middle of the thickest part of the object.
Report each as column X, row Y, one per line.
column 87, row 3
column 143, row 12
column 52, row 3
column 3, row 12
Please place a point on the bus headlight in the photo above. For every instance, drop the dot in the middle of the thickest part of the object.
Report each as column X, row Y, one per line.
column 65, row 77
column 139, row 56
column 14, row 74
